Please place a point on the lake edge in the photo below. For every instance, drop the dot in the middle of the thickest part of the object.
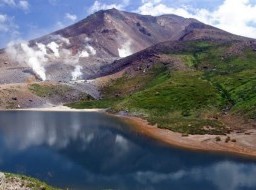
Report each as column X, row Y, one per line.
column 199, row 143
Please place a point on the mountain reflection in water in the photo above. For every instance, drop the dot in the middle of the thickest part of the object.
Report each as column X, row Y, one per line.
column 97, row 151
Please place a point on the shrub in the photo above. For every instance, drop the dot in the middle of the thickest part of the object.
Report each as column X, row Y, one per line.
column 227, row 140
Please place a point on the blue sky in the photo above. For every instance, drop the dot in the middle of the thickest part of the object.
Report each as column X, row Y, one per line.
column 28, row 19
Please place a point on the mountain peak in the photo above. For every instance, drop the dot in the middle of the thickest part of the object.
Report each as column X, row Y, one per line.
column 113, row 10
column 83, row 50
column 100, row 13
column 115, row 33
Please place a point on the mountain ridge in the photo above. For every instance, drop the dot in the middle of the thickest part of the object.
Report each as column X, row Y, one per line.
column 92, row 48
column 101, row 38
column 136, row 27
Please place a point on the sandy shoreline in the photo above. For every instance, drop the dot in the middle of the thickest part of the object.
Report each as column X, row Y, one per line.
column 57, row 109
column 245, row 144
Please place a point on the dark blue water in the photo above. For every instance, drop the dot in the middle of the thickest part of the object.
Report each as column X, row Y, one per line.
column 97, row 151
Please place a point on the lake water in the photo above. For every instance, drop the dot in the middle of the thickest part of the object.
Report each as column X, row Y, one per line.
column 97, row 151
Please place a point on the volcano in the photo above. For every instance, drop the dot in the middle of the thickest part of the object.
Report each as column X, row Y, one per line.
column 100, row 39
column 92, row 47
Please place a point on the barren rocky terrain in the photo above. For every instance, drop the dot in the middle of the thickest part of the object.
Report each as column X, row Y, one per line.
column 19, row 182
column 88, row 50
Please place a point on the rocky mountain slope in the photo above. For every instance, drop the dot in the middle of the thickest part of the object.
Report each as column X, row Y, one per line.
column 90, row 49
column 114, row 33
column 96, row 41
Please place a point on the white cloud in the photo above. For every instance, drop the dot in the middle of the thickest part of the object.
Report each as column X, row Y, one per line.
column 3, row 23
column 155, row 7
column 238, row 17
column 59, row 25
column 71, row 17
column 8, row 2
column 9, row 30
column 102, row 6
column 235, row 16
column 7, row 24
column 22, row 4
column 3, row 18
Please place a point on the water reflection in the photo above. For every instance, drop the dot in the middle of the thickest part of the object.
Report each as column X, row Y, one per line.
column 96, row 151
column 223, row 175
column 45, row 129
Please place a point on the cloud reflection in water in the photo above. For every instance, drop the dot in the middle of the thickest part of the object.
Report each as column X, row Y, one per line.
column 97, row 151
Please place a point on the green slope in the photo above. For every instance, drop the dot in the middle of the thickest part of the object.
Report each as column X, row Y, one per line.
column 220, row 77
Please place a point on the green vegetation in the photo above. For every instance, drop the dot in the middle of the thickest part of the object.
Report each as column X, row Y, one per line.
column 49, row 90
column 29, row 182
column 221, row 78
column 218, row 139
column 227, row 139
column 101, row 104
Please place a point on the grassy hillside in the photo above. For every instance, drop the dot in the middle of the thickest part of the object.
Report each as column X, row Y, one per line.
column 218, row 78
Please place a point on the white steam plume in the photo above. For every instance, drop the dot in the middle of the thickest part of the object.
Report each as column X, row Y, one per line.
column 91, row 49
column 55, row 48
column 62, row 39
column 34, row 59
column 36, row 56
column 24, row 54
column 77, row 72
column 84, row 54
column 88, row 49
column 87, row 39
column 42, row 47
column 125, row 49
